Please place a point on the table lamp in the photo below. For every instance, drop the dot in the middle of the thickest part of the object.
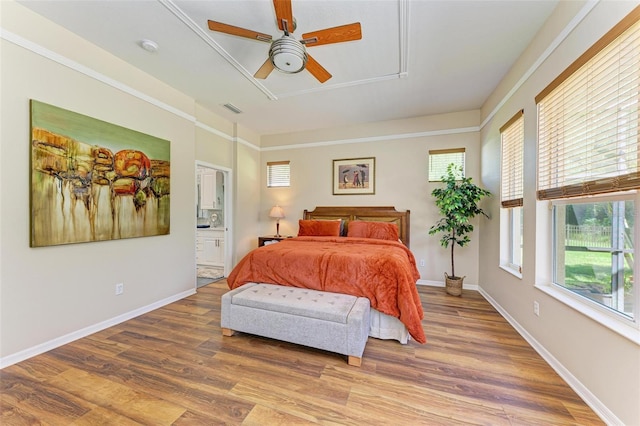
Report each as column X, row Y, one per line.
column 278, row 213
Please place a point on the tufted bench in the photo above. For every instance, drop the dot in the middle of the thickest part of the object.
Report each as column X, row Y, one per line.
column 328, row 321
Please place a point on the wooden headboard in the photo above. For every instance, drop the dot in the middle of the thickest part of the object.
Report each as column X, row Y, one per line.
column 372, row 214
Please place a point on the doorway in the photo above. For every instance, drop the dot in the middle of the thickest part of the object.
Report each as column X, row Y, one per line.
column 212, row 222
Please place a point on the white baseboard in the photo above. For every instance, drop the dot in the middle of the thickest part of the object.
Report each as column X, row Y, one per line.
column 589, row 398
column 68, row 338
column 441, row 284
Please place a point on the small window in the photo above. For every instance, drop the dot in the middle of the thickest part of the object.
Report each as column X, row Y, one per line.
column 278, row 174
column 439, row 160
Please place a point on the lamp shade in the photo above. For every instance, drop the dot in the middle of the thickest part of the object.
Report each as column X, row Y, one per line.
column 276, row 212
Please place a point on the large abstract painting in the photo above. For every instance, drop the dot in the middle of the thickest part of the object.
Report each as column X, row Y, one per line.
column 95, row 181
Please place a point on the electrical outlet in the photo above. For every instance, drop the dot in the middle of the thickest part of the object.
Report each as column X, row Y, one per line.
column 422, row 262
column 119, row 289
column 536, row 308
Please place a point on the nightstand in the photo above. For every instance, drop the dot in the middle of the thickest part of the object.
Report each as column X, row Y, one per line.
column 261, row 240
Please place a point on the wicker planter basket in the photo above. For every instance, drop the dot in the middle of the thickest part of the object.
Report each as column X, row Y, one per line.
column 453, row 285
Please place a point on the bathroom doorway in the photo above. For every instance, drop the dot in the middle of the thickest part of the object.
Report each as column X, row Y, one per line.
column 212, row 223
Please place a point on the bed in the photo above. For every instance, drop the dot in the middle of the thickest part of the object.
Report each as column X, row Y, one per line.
column 363, row 264
column 372, row 214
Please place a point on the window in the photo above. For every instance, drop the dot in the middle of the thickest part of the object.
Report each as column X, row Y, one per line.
column 278, row 174
column 588, row 167
column 594, row 251
column 515, row 230
column 439, row 159
column 511, row 192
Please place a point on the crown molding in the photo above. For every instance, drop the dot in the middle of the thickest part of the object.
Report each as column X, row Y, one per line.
column 213, row 131
column 376, row 138
column 71, row 64
column 247, row 143
column 586, row 9
column 404, row 42
column 76, row 66
column 178, row 13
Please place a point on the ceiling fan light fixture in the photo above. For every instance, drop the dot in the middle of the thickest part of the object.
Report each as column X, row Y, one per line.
column 288, row 55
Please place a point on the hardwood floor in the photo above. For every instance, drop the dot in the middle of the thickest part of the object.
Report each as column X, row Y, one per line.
column 173, row 366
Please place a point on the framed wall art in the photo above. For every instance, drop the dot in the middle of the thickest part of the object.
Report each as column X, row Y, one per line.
column 95, row 181
column 354, row 176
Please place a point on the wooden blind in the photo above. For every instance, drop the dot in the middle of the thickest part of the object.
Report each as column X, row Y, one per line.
column 439, row 159
column 512, row 136
column 588, row 119
column 278, row 174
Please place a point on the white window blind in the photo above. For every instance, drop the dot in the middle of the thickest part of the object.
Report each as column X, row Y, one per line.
column 278, row 174
column 588, row 119
column 512, row 137
column 439, row 159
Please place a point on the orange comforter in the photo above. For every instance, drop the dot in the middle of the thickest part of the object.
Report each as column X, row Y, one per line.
column 383, row 271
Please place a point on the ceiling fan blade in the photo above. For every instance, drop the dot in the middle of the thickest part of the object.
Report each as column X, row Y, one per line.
column 264, row 70
column 317, row 70
column 284, row 11
column 237, row 31
column 339, row 34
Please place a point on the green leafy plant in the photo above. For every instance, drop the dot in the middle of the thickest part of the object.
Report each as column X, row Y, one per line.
column 458, row 203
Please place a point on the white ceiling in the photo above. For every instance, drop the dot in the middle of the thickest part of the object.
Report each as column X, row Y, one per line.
column 416, row 57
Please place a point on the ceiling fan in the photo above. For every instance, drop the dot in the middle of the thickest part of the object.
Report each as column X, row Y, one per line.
column 287, row 54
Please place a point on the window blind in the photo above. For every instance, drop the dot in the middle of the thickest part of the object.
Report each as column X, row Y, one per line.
column 439, row 159
column 278, row 174
column 512, row 136
column 588, row 119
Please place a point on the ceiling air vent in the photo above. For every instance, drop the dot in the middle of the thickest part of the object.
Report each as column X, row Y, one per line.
column 233, row 108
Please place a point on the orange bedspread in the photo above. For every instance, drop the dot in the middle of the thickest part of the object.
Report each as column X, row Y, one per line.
column 383, row 271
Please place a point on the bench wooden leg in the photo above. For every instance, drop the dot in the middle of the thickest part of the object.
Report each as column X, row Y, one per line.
column 354, row 360
column 227, row 332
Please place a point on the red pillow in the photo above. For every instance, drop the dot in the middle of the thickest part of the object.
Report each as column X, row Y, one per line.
column 378, row 230
column 319, row 228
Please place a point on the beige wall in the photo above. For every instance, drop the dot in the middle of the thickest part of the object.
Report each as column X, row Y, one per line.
column 401, row 150
column 599, row 360
column 247, row 193
column 51, row 295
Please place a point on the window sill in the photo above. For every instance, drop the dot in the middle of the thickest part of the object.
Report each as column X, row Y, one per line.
column 516, row 273
column 625, row 328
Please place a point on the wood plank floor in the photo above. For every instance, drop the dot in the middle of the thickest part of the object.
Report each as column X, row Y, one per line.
column 173, row 366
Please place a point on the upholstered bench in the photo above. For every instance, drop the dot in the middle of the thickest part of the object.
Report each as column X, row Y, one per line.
column 328, row 321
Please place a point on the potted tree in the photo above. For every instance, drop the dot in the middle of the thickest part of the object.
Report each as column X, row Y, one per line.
column 458, row 204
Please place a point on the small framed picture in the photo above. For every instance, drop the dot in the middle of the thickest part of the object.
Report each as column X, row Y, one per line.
column 354, row 176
